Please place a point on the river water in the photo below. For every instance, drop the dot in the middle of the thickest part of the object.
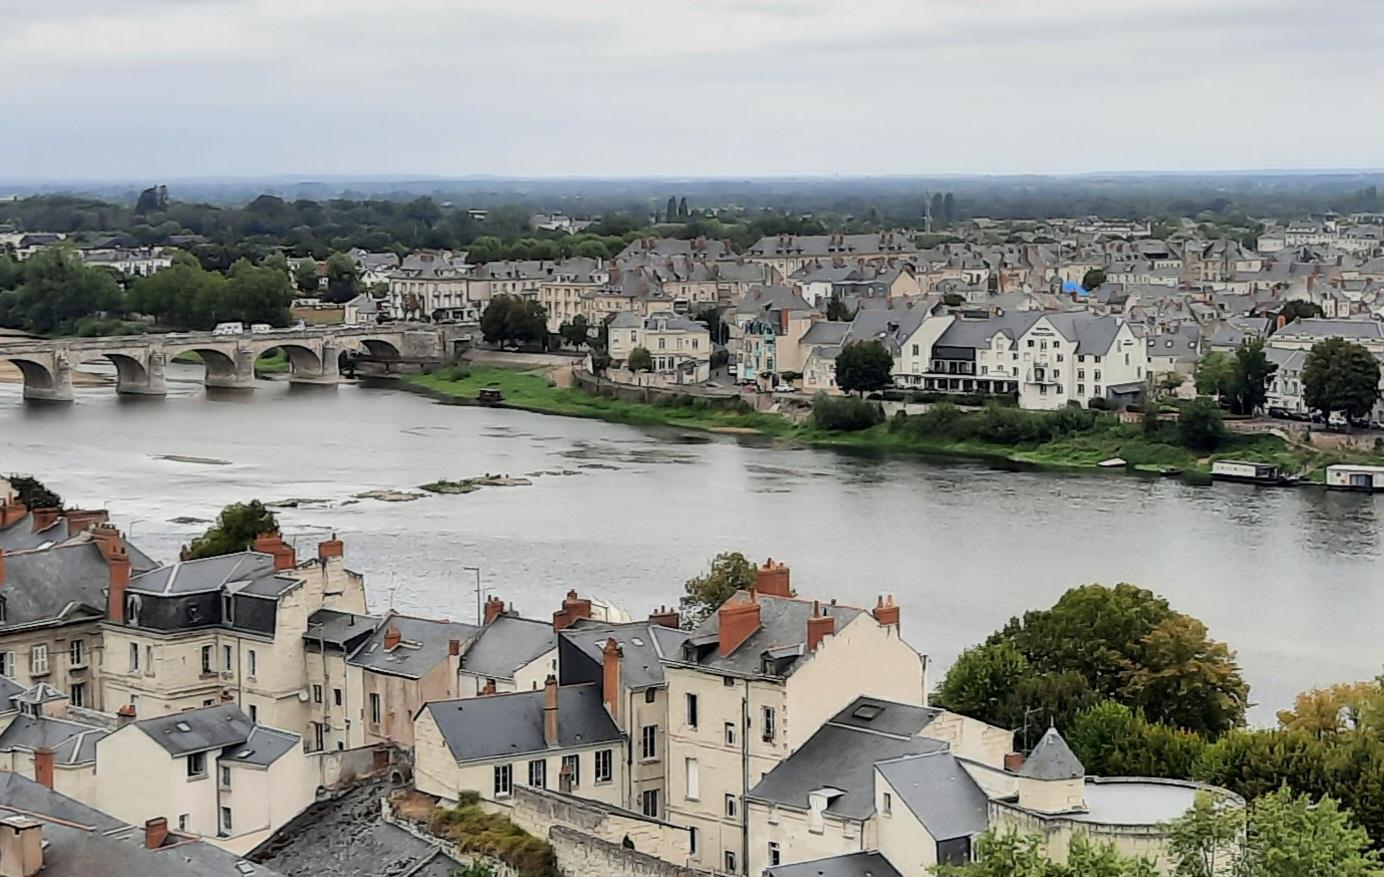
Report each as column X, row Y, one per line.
column 1290, row 578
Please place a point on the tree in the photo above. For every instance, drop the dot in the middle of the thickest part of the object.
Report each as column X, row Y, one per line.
column 1342, row 376
column 682, row 208
column 838, row 311
column 235, row 530
column 152, row 200
column 1207, row 840
column 576, row 332
column 640, row 360
column 979, row 683
column 1215, row 375
column 1011, row 854
column 1296, row 309
column 1290, row 836
column 495, row 319
column 343, row 278
column 1253, row 370
column 730, row 571
column 1113, row 740
column 255, row 294
column 1200, row 425
column 1092, row 279
column 1189, row 679
column 670, row 213
column 33, row 493
column 949, row 208
column 58, row 289
column 1332, row 710
column 864, row 367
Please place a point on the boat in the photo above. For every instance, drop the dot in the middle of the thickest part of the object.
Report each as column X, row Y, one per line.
column 1364, row 479
column 1262, row 474
column 1169, row 472
column 1113, row 463
column 490, row 396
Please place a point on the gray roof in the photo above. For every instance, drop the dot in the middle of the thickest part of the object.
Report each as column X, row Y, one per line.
column 891, row 327
column 939, row 791
column 198, row 730
column 20, row 536
column 849, row 865
column 978, row 333
column 842, row 755
column 262, row 747
column 340, row 629
column 71, row 742
column 642, row 643
column 424, row 643
column 782, row 627
column 62, row 583
column 1093, row 335
column 8, row 689
column 851, row 245
column 1052, row 759
column 506, row 644
column 80, row 841
column 1326, row 328
column 245, row 572
column 511, row 725
column 831, row 332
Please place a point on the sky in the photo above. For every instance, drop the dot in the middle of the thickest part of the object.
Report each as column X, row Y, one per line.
column 162, row 89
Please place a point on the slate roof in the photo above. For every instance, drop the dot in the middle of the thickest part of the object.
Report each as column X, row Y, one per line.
column 939, row 791
column 342, row 630
column 830, row 332
column 1052, row 759
column 198, row 730
column 978, row 333
column 892, row 327
column 8, row 690
column 55, row 584
column 71, row 742
column 506, row 644
column 424, row 643
column 849, row 865
column 841, row 755
column 1325, row 328
column 850, row 245
column 262, row 747
column 782, row 628
column 20, row 535
column 1093, row 335
column 248, row 572
column 511, row 725
column 80, row 841
column 643, row 644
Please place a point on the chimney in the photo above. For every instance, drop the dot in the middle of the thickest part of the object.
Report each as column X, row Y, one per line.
column 392, row 637
column 666, row 617
column 494, row 608
column 454, row 647
column 44, row 518
column 885, row 612
column 155, row 832
column 772, row 579
column 818, row 626
column 610, row 677
column 43, row 767
column 273, row 543
column 12, row 512
column 125, row 715
column 112, row 545
column 21, row 846
column 1013, row 761
column 79, row 520
column 573, row 608
column 736, row 621
column 550, row 710
column 333, row 547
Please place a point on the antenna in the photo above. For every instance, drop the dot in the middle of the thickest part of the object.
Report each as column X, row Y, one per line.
column 393, row 587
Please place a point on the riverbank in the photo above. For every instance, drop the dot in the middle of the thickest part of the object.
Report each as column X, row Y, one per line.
column 531, row 390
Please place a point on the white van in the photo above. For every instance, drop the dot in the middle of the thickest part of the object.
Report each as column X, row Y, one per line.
column 229, row 329
column 260, row 328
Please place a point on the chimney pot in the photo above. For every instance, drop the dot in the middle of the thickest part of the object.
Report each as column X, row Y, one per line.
column 737, row 620
column 392, row 638
column 666, row 617
column 494, row 608
column 573, row 608
column 1013, row 761
column 21, row 846
column 155, row 832
column 773, row 579
column 885, row 612
column 819, row 626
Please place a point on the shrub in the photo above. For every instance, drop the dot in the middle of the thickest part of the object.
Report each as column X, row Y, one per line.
column 845, row 413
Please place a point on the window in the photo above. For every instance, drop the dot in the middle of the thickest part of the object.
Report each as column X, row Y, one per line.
column 650, row 694
column 3, row 616
column 76, row 653
column 76, row 693
column 730, row 733
column 603, row 765
column 196, row 765
column 253, row 662
column 691, row 705
column 38, row 660
column 571, row 769
column 504, row 780
column 648, row 803
column 728, row 681
column 316, row 693
column 336, row 696
column 317, row 737
column 770, row 724
column 226, row 662
column 887, row 807
column 694, row 779
column 374, row 708
column 730, row 854
column 648, row 742
column 1096, row 375
column 254, row 713
column 182, row 822
column 538, row 773
column 227, row 608
column 730, row 805
column 206, row 660
column 7, row 667
column 225, row 820
column 774, row 857
column 692, row 841
column 225, row 776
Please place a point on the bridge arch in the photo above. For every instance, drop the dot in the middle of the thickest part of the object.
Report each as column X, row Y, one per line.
column 37, row 376
column 128, row 369
column 304, row 360
column 218, row 363
column 379, row 348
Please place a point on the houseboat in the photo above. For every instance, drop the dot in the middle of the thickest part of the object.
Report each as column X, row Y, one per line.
column 1345, row 476
column 1266, row 474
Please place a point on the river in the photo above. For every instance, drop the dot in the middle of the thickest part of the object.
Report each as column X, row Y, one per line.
column 1287, row 577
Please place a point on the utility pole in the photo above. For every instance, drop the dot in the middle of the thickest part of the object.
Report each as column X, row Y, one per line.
column 480, row 611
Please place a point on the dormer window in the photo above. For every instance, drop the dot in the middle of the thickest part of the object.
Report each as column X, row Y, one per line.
column 227, row 609
column 132, row 607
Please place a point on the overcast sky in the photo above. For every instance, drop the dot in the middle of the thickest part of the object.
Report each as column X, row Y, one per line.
column 167, row 88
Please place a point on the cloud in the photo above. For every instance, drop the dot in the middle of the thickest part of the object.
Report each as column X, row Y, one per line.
column 171, row 87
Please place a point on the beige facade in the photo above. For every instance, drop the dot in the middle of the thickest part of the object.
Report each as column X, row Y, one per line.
column 65, row 656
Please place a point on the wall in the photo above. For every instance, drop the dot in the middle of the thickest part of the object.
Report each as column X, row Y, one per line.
column 972, row 738
column 61, row 675
column 537, row 811
column 138, row 780
column 605, row 387
column 791, row 830
column 1057, row 834
column 582, row 854
column 901, row 836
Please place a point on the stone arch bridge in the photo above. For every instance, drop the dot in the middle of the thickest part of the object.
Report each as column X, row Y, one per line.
column 313, row 355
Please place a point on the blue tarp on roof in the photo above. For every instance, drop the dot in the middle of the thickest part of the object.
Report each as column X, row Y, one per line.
column 1073, row 286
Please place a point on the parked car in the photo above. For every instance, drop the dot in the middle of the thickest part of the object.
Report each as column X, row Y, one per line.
column 260, row 328
column 782, row 388
column 229, row 329
column 1280, row 413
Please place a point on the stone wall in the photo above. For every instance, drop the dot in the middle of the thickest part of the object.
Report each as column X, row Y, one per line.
column 341, row 768
column 581, row 854
column 605, row 386
column 541, row 811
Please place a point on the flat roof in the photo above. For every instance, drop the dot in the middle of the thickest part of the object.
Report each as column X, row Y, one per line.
column 1136, row 801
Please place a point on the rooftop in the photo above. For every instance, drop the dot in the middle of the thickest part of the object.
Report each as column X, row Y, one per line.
column 643, row 644
column 849, row 865
column 247, row 572
column 939, row 791
column 424, row 643
column 1119, row 801
column 509, row 725
column 506, row 644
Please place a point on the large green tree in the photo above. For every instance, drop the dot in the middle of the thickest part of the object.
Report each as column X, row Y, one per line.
column 58, row 290
column 864, row 367
column 640, row 360
column 343, row 278
column 1011, row 854
column 235, row 530
column 1200, row 425
column 1215, row 375
column 509, row 319
column 33, row 493
column 730, row 571
column 1342, row 376
column 1253, row 371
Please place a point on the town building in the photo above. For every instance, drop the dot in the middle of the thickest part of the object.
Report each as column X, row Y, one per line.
column 511, row 653
column 679, row 347
column 787, row 254
column 405, row 663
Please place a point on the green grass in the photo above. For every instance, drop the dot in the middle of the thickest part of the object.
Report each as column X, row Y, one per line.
column 272, row 365
column 191, row 357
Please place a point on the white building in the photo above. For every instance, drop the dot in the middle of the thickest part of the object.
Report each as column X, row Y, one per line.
column 680, row 347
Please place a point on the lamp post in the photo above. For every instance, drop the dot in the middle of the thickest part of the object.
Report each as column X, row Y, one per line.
column 480, row 611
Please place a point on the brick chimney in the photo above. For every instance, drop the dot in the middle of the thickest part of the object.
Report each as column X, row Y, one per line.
column 1013, row 761
column 885, row 612
column 21, row 846
column 666, row 617
column 610, row 677
column 454, row 647
column 112, row 546
column 494, row 608
column 818, row 626
column 12, row 512
column 392, row 638
column 155, row 832
column 43, row 767
column 125, row 715
column 45, row 518
column 573, row 607
column 79, row 520
column 550, row 710
column 332, row 547
column 772, row 579
column 273, row 544
column 736, row 621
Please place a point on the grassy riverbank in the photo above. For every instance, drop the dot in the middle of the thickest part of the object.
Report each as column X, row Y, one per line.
column 265, row 365
column 531, row 390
